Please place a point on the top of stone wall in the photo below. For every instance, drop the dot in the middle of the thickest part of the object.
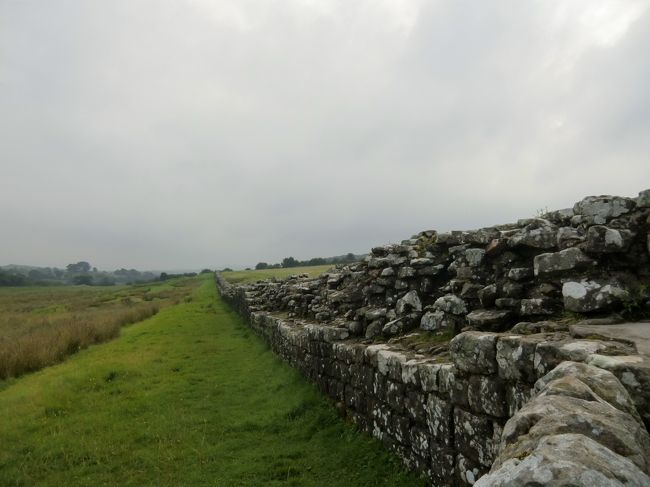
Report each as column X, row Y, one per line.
column 589, row 260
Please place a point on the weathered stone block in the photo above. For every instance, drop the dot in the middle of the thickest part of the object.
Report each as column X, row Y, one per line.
column 442, row 464
column 406, row 272
column 539, row 234
column 439, row 321
column 520, row 273
column 487, row 394
column 474, row 257
column 570, row 259
column 488, row 295
column 643, row 200
column 474, row 352
column 538, row 306
column 428, row 374
column 415, row 405
column 468, row 471
column 567, row 459
column 440, row 420
column 487, row 319
column 569, row 237
column 408, row 303
column 451, row 304
column 591, row 295
column 515, row 356
column 419, row 440
column 601, row 239
column 601, row 209
column 474, row 436
column 634, row 373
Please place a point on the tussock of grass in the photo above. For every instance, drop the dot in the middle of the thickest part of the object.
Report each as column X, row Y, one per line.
column 41, row 326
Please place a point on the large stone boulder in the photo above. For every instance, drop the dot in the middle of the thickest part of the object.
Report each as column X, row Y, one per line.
column 474, row 352
column 539, row 234
column 601, row 239
column 591, row 295
column 567, row 460
column 451, row 304
column 570, row 259
column 408, row 303
column 601, row 209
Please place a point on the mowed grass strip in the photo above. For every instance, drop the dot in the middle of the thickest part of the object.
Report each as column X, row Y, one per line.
column 241, row 277
column 188, row 397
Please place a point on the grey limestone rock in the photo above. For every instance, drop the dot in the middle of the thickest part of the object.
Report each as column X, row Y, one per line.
column 557, row 262
column 643, row 200
column 537, row 306
column 405, row 272
column 591, row 295
column 568, row 237
column 567, row 460
column 438, row 321
column 601, row 239
column 560, row 411
column 602, row 382
column 420, row 262
column 601, row 209
column 374, row 329
column 474, row 256
column 488, row 295
column 490, row 319
column 539, row 234
column 451, row 304
column 515, row 355
column 520, row 273
column 407, row 303
column 474, row 352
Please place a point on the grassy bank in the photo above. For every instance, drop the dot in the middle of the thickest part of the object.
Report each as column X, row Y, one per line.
column 40, row 326
column 236, row 277
column 187, row 397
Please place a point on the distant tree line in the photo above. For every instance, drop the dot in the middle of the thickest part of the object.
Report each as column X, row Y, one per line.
column 77, row 273
column 288, row 262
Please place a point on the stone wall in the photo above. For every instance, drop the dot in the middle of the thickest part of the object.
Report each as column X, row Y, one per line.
column 375, row 336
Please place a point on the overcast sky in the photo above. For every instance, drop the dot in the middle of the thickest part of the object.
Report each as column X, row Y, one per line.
column 169, row 134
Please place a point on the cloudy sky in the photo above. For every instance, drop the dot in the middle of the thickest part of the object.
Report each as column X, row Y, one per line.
column 169, row 134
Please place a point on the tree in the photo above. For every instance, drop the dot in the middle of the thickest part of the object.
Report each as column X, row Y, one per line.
column 78, row 268
column 83, row 279
column 261, row 265
column 289, row 262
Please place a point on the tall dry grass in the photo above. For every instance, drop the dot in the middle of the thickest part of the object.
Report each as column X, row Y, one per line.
column 47, row 340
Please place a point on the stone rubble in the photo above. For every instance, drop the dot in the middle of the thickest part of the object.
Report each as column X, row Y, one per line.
column 514, row 387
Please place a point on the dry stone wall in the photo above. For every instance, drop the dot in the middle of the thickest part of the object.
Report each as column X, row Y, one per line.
column 516, row 384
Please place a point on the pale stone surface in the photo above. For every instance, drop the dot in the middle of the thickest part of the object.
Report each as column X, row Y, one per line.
column 603, row 208
column 562, row 261
column 475, row 352
column 586, row 295
column 567, row 460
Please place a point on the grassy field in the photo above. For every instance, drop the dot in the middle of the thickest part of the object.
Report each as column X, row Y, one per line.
column 187, row 397
column 236, row 277
column 40, row 326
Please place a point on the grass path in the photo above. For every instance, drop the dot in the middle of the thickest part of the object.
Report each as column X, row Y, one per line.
column 188, row 397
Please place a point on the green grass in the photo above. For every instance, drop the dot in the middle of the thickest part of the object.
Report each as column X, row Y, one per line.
column 40, row 326
column 188, row 397
column 237, row 277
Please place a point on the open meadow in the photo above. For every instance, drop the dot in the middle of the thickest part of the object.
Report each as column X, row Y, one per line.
column 189, row 396
column 40, row 326
column 239, row 277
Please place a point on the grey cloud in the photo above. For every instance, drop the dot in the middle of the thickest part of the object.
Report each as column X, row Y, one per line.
column 161, row 134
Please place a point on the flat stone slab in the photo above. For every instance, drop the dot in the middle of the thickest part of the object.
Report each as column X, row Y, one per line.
column 638, row 333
